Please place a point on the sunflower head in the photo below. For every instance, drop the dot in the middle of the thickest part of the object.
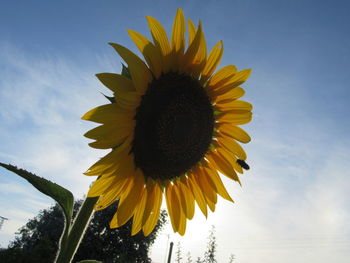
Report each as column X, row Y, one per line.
column 172, row 128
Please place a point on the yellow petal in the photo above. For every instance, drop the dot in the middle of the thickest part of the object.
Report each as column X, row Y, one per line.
column 111, row 140
column 116, row 82
column 156, row 200
column 150, row 187
column 198, row 195
column 182, row 201
column 238, row 78
column 140, row 74
column 114, row 194
column 239, row 105
column 228, row 94
column 233, row 131
column 108, row 113
column 222, row 165
column 123, row 163
column 129, row 200
column 128, row 100
column 192, row 51
column 140, row 208
column 238, row 168
column 208, row 191
column 211, row 205
column 182, row 210
column 178, row 33
column 191, row 31
column 235, row 117
column 198, row 63
column 232, row 146
column 178, row 40
column 229, row 84
column 110, row 159
column 213, row 61
column 107, row 144
column 186, row 198
column 230, row 158
column 173, row 206
column 118, row 129
column 161, row 41
column 209, row 195
column 109, row 171
column 182, row 226
column 151, row 53
column 215, row 177
column 222, row 76
column 100, row 185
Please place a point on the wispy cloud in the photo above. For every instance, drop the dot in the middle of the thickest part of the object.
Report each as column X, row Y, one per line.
column 42, row 98
column 42, row 101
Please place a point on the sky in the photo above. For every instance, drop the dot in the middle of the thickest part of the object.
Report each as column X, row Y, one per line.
column 293, row 205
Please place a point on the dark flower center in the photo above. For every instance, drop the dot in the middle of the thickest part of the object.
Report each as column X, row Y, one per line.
column 174, row 126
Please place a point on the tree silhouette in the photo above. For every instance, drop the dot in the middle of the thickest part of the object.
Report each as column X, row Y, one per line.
column 210, row 254
column 232, row 258
column 178, row 253
column 189, row 257
column 37, row 241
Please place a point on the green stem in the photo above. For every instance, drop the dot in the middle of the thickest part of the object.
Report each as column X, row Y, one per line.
column 76, row 233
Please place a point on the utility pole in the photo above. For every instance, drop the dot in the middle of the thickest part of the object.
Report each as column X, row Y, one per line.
column 170, row 251
column 2, row 219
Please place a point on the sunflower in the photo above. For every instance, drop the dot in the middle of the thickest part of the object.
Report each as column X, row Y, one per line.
column 171, row 127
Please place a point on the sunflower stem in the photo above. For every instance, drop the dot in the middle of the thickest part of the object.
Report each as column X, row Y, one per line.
column 76, row 233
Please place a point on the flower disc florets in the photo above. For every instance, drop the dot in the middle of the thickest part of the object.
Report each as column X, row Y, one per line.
column 174, row 126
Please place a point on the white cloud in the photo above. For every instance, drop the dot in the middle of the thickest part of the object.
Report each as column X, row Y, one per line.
column 42, row 99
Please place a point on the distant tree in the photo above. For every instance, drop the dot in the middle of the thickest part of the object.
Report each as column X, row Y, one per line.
column 231, row 259
column 37, row 241
column 188, row 257
column 199, row 260
column 178, row 253
column 210, row 254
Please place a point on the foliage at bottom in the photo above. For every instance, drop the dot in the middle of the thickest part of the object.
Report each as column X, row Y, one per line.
column 37, row 241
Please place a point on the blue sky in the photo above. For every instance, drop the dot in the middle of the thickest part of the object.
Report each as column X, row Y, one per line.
column 294, row 203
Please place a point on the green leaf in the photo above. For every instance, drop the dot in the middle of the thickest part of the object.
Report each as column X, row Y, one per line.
column 125, row 71
column 111, row 99
column 89, row 261
column 61, row 195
